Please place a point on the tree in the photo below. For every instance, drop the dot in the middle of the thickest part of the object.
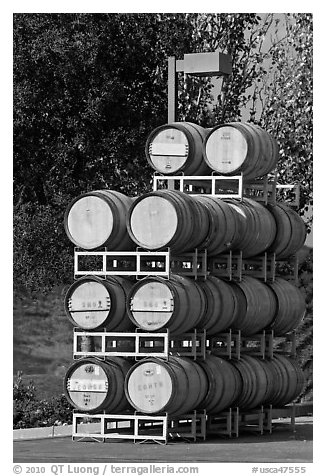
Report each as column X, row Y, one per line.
column 88, row 89
column 31, row 412
column 287, row 107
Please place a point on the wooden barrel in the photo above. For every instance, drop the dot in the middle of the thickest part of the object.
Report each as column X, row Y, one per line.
column 92, row 384
column 257, row 382
column 177, row 147
column 291, row 231
column 291, row 306
column 155, row 303
column 224, row 232
column 238, row 147
column 167, row 218
column 97, row 219
column 224, row 384
column 221, row 305
column 92, row 302
column 257, row 226
column 289, row 380
column 256, row 305
column 176, row 386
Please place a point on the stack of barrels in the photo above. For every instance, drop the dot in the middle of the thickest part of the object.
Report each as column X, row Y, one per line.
column 184, row 223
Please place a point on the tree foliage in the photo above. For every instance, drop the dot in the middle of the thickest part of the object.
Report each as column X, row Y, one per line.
column 287, row 105
column 88, row 88
column 30, row 412
column 237, row 35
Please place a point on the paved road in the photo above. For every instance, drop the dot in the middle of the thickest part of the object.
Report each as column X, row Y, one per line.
column 282, row 446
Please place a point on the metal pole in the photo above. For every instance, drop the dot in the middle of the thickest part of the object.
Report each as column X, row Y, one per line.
column 172, row 89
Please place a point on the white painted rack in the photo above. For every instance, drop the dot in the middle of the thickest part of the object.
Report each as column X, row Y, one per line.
column 140, row 263
column 139, row 344
column 125, row 263
column 139, row 427
column 262, row 189
column 233, row 185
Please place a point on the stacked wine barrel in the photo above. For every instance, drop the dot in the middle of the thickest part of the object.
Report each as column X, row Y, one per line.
column 184, row 223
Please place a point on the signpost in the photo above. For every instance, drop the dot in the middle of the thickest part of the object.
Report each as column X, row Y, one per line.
column 194, row 64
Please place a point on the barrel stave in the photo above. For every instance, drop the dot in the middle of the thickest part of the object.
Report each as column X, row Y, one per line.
column 256, row 305
column 221, row 305
column 291, row 231
column 291, row 306
column 224, row 384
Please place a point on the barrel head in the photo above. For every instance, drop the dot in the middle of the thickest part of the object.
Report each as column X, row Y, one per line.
column 87, row 386
column 149, row 387
column 168, row 150
column 153, row 222
column 225, row 150
column 151, row 305
column 90, row 222
column 89, row 304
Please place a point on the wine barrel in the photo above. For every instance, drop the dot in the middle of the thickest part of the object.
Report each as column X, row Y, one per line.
column 174, row 219
column 257, row 226
column 269, row 151
column 176, row 386
column 291, row 231
column 291, row 306
column 289, row 380
column 224, row 384
column 221, row 305
column 92, row 384
column 258, row 382
column 177, row 147
column 97, row 219
column 224, row 231
column 240, row 147
column 167, row 218
column 92, row 302
column 256, row 307
column 155, row 303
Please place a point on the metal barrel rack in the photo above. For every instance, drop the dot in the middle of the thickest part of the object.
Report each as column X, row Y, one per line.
column 140, row 263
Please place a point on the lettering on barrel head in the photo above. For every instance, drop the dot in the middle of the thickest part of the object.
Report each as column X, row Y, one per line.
column 87, row 398
column 82, row 385
column 149, row 386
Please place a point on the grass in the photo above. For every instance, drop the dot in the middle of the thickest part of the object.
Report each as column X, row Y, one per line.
column 42, row 341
